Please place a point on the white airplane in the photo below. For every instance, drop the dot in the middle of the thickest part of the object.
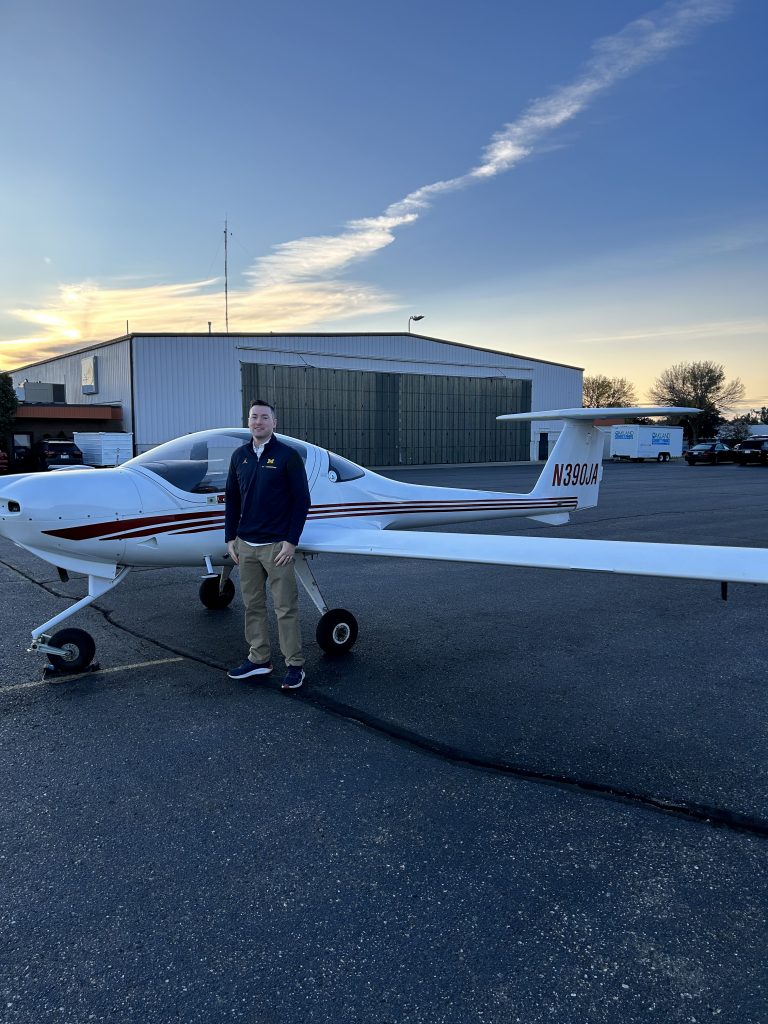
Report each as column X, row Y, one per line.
column 166, row 508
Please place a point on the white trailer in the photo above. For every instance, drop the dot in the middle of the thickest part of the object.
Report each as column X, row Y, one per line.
column 637, row 441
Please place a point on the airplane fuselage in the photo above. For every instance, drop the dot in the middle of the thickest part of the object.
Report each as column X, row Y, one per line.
column 135, row 515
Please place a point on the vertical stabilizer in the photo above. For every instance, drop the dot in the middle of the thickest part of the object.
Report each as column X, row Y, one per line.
column 575, row 467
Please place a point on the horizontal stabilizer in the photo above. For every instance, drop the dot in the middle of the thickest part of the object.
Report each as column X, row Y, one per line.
column 676, row 561
column 597, row 414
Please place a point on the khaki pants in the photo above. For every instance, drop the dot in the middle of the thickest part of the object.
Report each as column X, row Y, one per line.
column 257, row 565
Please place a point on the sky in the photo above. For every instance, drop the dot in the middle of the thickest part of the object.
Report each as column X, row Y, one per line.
column 581, row 181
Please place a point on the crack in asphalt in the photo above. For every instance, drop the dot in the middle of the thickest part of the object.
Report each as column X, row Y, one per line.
column 718, row 817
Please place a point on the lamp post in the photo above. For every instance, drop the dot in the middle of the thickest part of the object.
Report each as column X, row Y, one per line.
column 419, row 317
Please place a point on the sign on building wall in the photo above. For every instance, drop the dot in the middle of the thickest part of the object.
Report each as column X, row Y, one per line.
column 88, row 375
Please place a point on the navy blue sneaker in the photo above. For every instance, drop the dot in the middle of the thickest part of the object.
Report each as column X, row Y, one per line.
column 294, row 677
column 248, row 668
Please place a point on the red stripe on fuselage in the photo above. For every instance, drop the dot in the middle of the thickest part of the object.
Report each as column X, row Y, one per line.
column 105, row 530
column 199, row 522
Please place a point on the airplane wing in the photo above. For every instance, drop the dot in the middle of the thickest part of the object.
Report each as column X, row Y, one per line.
column 677, row 561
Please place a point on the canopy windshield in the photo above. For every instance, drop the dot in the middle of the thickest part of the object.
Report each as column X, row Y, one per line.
column 199, row 463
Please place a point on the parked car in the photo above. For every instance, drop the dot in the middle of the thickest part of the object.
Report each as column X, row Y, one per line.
column 55, row 453
column 710, row 451
column 753, row 451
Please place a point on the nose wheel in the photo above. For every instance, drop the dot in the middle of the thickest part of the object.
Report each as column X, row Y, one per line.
column 77, row 650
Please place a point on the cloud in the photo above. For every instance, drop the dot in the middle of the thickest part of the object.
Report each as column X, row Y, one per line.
column 614, row 57
column 718, row 329
column 298, row 284
column 86, row 312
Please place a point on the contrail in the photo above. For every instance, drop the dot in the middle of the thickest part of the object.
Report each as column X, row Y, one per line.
column 614, row 57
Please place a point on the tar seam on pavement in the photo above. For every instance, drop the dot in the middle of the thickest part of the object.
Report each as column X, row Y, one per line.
column 718, row 817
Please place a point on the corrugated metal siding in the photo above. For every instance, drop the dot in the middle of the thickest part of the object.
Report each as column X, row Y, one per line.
column 385, row 419
column 183, row 384
column 114, row 376
column 556, row 387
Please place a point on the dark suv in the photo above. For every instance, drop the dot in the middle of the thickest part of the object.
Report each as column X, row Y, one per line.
column 752, row 452
column 56, row 453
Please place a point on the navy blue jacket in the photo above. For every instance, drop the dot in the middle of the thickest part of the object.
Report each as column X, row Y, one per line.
column 267, row 499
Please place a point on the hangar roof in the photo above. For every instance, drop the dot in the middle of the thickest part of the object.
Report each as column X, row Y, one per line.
column 292, row 334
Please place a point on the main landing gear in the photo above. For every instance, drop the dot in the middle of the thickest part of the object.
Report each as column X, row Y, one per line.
column 217, row 591
column 337, row 629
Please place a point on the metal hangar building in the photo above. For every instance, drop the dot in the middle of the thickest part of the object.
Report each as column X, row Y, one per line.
column 379, row 399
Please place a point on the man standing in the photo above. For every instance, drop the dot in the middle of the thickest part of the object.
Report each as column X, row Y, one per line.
column 267, row 500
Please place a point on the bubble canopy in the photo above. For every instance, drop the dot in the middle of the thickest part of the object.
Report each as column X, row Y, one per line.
column 199, row 463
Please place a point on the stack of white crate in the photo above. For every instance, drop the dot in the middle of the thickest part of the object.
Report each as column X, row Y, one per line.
column 104, row 449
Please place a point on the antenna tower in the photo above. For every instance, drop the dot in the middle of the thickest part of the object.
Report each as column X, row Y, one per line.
column 226, row 279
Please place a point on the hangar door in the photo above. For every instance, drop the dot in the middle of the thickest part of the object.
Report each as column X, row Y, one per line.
column 390, row 419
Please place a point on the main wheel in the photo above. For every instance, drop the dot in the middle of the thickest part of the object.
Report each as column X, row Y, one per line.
column 213, row 597
column 79, row 649
column 336, row 631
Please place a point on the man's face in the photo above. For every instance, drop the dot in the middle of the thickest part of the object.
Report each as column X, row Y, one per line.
column 261, row 423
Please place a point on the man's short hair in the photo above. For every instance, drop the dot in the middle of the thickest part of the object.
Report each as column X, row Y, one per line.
column 260, row 401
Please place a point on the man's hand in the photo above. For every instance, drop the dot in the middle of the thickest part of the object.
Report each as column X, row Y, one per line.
column 232, row 552
column 285, row 555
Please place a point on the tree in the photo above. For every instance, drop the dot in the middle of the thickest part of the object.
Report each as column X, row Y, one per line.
column 736, row 429
column 8, row 405
column 761, row 414
column 607, row 392
column 702, row 385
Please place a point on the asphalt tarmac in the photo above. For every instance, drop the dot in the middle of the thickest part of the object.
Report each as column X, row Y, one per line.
column 524, row 796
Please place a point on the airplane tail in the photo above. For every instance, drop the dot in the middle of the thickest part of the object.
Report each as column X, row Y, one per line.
column 574, row 468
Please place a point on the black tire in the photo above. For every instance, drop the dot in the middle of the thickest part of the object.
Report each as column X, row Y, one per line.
column 336, row 631
column 212, row 597
column 80, row 649
column 661, row 457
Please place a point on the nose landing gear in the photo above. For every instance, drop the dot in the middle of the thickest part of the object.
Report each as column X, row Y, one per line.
column 72, row 650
